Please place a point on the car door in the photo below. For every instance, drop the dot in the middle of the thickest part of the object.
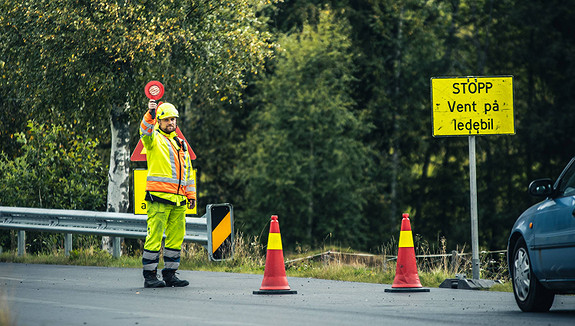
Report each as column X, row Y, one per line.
column 554, row 229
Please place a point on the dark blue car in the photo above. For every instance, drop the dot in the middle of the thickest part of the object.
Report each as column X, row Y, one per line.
column 541, row 248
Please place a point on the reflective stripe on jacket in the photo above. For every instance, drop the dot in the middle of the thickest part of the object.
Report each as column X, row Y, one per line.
column 169, row 163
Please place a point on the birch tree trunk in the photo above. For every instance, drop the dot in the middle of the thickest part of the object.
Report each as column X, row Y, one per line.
column 119, row 173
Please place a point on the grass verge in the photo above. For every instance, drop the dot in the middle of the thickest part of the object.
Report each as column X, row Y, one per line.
column 330, row 263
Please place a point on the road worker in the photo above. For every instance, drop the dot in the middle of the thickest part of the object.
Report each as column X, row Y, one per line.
column 170, row 188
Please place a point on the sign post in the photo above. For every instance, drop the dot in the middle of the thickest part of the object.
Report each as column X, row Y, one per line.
column 472, row 106
column 473, row 209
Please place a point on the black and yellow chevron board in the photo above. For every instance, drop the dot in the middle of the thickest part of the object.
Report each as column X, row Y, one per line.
column 220, row 231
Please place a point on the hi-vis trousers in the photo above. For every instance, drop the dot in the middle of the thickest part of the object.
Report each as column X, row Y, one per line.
column 162, row 218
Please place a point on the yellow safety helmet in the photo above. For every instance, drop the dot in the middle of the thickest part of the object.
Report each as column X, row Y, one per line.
column 167, row 110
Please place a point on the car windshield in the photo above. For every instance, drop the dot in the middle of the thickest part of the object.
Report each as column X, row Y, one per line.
column 567, row 183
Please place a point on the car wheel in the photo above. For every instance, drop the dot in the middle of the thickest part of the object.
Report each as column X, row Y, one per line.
column 529, row 293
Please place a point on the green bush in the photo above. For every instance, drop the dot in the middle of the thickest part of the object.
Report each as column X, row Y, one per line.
column 56, row 167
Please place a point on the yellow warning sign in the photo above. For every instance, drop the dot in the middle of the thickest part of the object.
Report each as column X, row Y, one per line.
column 221, row 239
column 221, row 232
column 470, row 106
column 140, row 204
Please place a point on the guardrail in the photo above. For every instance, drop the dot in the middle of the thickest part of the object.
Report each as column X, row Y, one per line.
column 214, row 230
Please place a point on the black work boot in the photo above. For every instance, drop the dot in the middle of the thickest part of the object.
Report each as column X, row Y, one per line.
column 151, row 280
column 172, row 280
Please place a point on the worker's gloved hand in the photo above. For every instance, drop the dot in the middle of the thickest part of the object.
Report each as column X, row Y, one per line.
column 191, row 203
column 152, row 106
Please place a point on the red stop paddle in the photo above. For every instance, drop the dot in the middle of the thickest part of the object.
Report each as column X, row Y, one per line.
column 154, row 90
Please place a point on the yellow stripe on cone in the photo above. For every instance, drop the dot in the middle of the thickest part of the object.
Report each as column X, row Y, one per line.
column 275, row 241
column 405, row 239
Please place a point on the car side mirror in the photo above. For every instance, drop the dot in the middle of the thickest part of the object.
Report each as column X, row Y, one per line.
column 541, row 187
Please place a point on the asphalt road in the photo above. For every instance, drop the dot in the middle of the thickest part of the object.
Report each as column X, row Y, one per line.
column 74, row 295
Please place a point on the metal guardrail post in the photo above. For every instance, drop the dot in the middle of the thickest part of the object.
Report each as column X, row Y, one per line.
column 116, row 247
column 21, row 243
column 67, row 243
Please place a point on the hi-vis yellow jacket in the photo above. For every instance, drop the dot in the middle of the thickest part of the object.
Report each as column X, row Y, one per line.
column 169, row 163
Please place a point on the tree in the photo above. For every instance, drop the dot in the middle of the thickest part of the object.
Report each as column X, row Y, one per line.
column 87, row 61
column 304, row 159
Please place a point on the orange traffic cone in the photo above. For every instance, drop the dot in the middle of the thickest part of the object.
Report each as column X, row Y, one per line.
column 406, row 277
column 275, row 280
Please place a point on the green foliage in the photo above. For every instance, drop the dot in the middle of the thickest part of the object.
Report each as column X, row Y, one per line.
column 337, row 131
column 401, row 44
column 98, row 47
column 78, row 60
column 57, row 167
column 304, row 158
column 87, row 62
column 89, row 256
